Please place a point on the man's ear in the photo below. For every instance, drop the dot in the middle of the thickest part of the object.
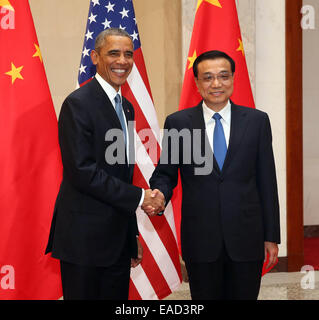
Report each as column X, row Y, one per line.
column 196, row 82
column 94, row 57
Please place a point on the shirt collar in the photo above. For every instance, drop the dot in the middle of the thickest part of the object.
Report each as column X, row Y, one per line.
column 225, row 113
column 108, row 89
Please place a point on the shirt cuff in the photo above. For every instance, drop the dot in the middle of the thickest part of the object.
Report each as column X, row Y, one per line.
column 142, row 198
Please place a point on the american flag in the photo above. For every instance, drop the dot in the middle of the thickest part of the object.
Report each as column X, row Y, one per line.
column 159, row 273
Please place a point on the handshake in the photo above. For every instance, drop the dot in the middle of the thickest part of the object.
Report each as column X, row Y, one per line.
column 154, row 202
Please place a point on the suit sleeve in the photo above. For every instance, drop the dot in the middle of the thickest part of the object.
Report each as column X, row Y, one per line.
column 165, row 175
column 267, row 184
column 80, row 166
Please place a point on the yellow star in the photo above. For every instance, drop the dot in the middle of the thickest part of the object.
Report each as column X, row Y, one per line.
column 6, row 4
column 37, row 53
column 192, row 60
column 213, row 2
column 241, row 47
column 15, row 72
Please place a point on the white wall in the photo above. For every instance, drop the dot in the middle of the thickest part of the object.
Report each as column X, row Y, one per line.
column 271, row 89
column 310, row 119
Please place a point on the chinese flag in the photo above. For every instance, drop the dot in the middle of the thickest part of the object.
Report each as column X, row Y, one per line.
column 30, row 163
column 216, row 27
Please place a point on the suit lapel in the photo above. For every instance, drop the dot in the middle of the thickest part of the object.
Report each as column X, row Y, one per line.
column 129, row 115
column 106, row 104
column 109, row 110
column 197, row 118
column 127, row 111
column 239, row 121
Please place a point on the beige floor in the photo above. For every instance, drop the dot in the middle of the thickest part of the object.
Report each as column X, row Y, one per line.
column 275, row 286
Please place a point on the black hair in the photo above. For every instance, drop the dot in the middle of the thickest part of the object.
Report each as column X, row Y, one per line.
column 212, row 55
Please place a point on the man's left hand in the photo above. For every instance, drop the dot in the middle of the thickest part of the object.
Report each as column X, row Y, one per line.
column 137, row 261
column 272, row 249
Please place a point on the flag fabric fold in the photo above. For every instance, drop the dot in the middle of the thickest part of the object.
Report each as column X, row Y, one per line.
column 30, row 162
column 159, row 273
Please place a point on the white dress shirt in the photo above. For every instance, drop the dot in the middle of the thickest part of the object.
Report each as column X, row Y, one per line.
column 111, row 93
column 210, row 122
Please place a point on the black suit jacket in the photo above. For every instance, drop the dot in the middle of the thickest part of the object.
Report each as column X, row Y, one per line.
column 95, row 208
column 237, row 206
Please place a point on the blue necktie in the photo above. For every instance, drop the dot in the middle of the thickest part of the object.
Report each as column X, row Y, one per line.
column 119, row 111
column 220, row 147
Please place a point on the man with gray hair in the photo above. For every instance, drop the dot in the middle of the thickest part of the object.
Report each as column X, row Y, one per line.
column 94, row 229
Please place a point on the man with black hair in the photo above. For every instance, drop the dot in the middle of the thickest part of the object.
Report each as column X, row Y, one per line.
column 230, row 214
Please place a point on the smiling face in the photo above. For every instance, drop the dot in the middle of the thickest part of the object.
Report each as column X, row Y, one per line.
column 114, row 60
column 217, row 91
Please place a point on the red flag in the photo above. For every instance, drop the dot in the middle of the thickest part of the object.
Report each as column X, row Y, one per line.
column 30, row 164
column 216, row 27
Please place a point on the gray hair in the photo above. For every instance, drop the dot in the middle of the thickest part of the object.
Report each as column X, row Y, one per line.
column 101, row 37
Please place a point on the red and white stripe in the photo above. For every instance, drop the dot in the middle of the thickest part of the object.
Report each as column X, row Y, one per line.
column 159, row 273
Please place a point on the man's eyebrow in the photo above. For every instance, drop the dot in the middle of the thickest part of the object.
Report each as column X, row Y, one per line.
column 222, row 71
column 118, row 51
column 113, row 51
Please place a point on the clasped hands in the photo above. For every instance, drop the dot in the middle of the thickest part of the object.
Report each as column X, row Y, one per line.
column 154, row 202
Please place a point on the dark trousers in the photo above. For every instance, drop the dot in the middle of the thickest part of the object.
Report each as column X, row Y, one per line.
column 224, row 279
column 96, row 283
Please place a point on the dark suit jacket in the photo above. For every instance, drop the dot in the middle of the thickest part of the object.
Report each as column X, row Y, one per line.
column 95, row 208
column 237, row 206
